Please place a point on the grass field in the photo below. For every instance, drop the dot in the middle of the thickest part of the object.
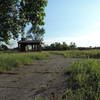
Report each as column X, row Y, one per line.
column 84, row 75
column 84, row 80
column 12, row 60
column 79, row 53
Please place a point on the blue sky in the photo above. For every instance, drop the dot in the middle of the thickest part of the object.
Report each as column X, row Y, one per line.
column 73, row 21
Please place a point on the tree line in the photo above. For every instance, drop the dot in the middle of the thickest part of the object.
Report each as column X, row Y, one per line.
column 57, row 46
column 60, row 46
column 64, row 46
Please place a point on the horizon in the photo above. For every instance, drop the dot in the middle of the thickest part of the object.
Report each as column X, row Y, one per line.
column 73, row 21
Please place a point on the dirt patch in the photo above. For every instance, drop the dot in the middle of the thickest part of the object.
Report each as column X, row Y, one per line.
column 42, row 78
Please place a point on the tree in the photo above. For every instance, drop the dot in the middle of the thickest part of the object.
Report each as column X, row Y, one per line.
column 32, row 12
column 65, row 46
column 15, row 15
column 8, row 19
column 72, row 45
column 60, row 46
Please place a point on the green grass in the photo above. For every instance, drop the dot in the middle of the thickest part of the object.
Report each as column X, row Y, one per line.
column 84, row 80
column 84, row 76
column 9, row 61
column 79, row 54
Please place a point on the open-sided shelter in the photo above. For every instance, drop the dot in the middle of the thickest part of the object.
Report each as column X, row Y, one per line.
column 29, row 45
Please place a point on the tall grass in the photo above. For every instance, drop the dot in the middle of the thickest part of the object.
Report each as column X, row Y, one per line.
column 84, row 80
column 12, row 60
column 79, row 54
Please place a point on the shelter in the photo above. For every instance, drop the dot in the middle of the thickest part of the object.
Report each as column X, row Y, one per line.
column 29, row 45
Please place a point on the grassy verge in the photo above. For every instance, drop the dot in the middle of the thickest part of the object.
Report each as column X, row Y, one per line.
column 84, row 80
column 79, row 54
column 12, row 60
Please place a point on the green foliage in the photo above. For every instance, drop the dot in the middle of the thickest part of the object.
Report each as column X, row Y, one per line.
column 12, row 60
column 32, row 12
column 15, row 15
column 3, row 47
column 60, row 46
column 8, row 19
column 84, row 80
column 72, row 45
column 79, row 54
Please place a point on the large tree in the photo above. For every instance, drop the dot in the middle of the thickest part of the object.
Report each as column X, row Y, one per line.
column 32, row 12
column 15, row 15
column 9, row 26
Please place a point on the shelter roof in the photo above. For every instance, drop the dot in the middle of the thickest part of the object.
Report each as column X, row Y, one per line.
column 30, row 42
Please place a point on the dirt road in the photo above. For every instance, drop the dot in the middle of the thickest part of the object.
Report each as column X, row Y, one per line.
column 42, row 78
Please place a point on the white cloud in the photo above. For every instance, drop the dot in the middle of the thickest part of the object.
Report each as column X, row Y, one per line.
column 98, row 23
column 91, row 39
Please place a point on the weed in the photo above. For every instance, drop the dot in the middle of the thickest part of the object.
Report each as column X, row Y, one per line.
column 12, row 60
column 79, row 54
column 84, row 80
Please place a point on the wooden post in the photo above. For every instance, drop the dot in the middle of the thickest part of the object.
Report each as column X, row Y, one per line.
column 18, row 46
column 36, row 47
column 32, row 47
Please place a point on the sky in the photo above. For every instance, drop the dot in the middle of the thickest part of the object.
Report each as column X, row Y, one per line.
column 73, row 21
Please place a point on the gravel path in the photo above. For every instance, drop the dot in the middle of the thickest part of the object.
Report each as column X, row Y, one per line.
column 42, row 78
